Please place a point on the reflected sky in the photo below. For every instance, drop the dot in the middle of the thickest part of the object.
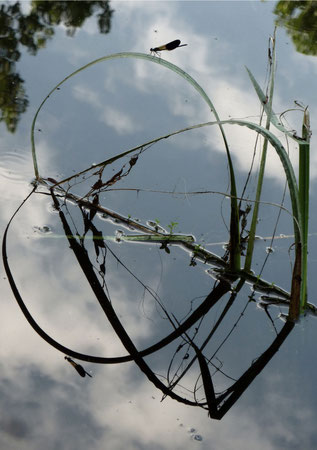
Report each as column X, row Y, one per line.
column 102, row 111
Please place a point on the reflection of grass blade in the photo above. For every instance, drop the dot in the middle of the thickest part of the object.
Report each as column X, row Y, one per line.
column 207, row 382
column 84, row 262
column 221, row 289
column 232, row 394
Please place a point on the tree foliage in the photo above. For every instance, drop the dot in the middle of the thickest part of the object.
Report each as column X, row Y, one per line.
column 33, row 30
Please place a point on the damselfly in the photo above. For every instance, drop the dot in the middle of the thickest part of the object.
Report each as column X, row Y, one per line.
column 170, row 46
column 82, row 372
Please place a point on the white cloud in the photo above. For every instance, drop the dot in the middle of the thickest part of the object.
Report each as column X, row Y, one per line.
column 121, row 122
column 87, row 95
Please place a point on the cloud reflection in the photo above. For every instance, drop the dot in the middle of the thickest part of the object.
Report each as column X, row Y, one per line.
column 44, row 403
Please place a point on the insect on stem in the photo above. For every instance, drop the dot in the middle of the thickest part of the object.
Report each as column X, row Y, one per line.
column 170, row 46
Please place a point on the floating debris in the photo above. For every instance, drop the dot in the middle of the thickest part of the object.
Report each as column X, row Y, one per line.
column 43, row 229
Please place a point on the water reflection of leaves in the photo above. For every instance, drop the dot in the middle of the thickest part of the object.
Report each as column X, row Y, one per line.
column 299, row 19
column 32, row 31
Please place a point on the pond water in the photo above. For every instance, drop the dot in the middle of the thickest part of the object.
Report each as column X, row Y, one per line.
column 176, row 186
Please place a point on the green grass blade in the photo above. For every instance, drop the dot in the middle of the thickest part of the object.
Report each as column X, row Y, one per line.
column 252, row 232
column 288, row 169
column 234, row 224
column 150, row 58
column 274, row 118
column 273, row 140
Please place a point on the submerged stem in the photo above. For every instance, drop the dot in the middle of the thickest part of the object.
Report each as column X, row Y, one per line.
column 303, row 188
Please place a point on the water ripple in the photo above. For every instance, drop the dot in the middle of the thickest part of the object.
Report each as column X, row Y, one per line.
column 16, row 167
